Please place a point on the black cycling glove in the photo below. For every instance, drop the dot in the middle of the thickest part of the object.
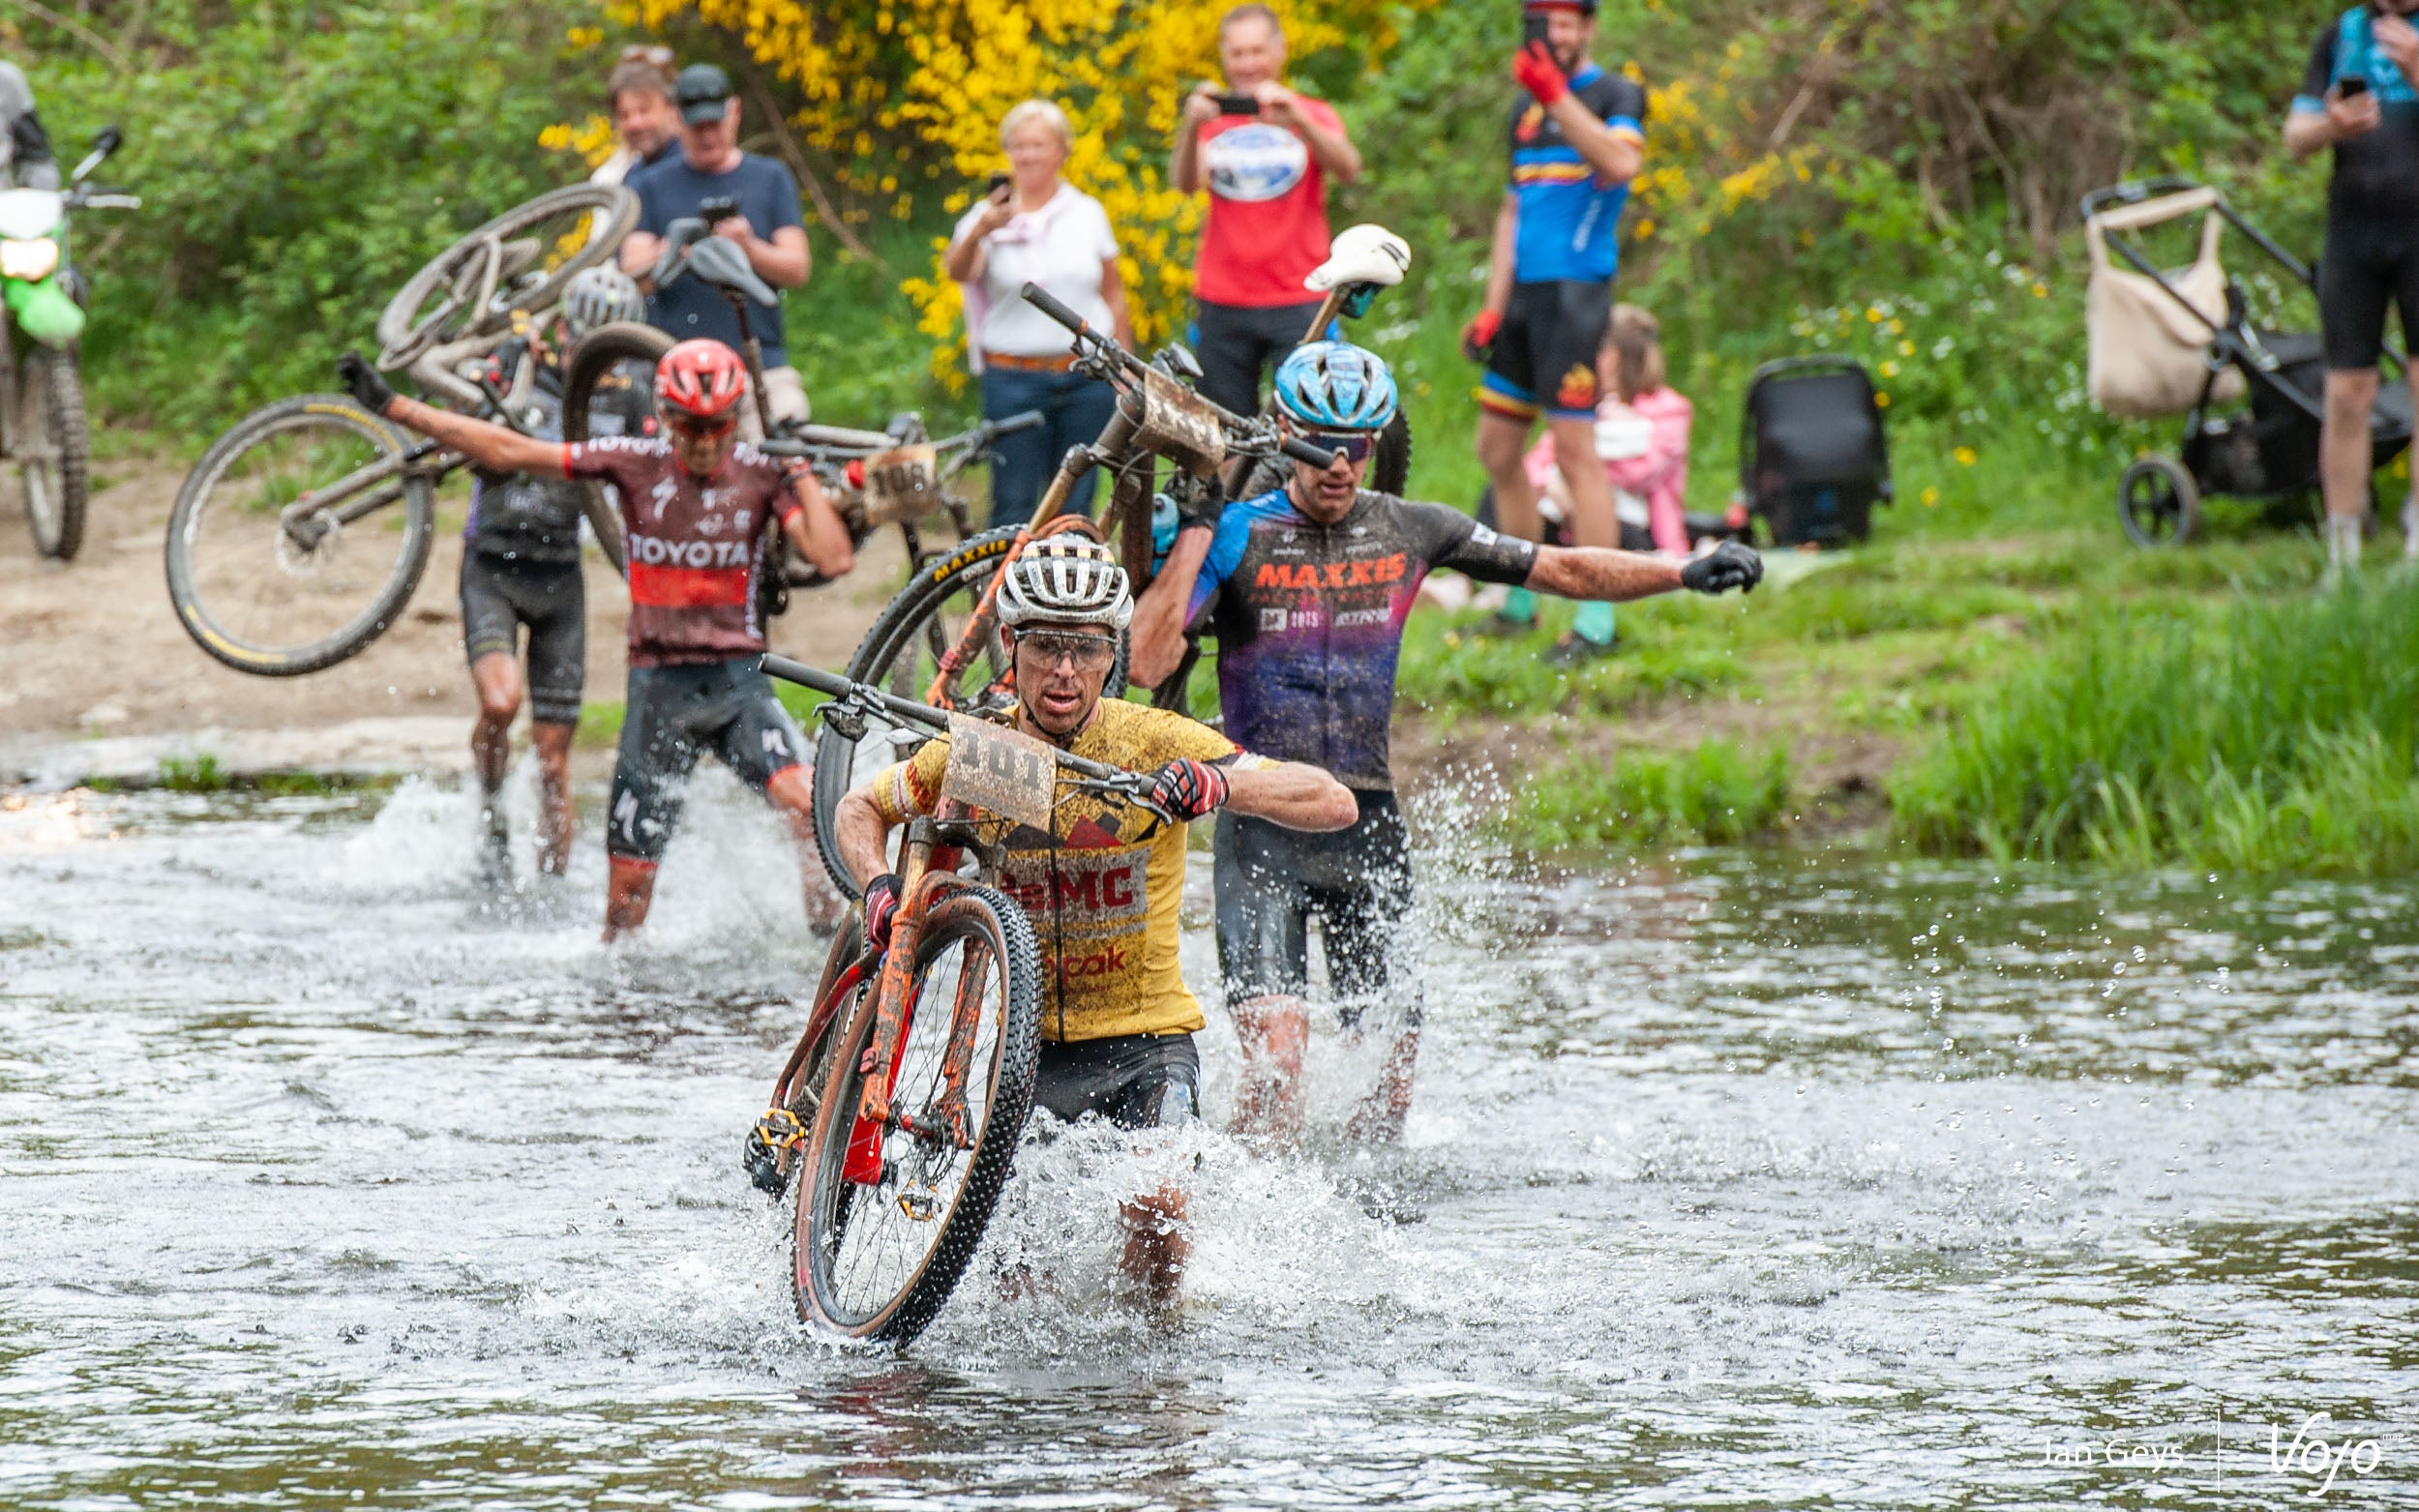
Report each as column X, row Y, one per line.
column 371, row 392
column 1727, row 566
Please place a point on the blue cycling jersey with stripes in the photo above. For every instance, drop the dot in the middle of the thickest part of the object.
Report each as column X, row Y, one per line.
column 2377, row 174
column 1569, row 218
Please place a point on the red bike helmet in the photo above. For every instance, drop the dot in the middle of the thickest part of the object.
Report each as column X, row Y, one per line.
column 700, row 379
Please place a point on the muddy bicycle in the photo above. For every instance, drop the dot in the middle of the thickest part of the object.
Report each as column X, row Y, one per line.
column 939, row 639
column 899, row 1109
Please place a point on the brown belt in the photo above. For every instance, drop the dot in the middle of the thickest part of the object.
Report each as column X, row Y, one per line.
column 1063, row 362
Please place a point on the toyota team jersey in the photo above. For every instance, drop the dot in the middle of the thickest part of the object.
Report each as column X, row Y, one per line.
column 1102, row 890
column 1568, row 217
column 1267, row 226
column 694, row 550
column 1310, row 620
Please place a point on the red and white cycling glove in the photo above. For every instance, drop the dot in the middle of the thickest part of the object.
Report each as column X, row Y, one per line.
column 1186, row 789
column 881, row 909
column 1535, row 70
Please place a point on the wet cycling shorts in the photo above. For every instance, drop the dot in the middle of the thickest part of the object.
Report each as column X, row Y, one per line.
column 675, row 714
column 1545, row 351
column 2369, row 265
column 1134, row 1081
column 500, row 595
column 1270, row 881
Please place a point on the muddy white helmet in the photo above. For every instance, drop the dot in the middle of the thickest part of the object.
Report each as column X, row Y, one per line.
column 600, row 296
column 1065, row 580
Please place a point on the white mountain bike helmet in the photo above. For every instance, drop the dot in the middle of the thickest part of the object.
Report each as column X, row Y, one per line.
column 1065, row 580
column 600, row 296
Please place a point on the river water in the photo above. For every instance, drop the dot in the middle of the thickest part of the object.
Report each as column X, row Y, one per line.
column 1756, row 1180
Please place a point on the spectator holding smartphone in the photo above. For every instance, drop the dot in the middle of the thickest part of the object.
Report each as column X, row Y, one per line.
column 1266, row 153
column 2361, row 98
column 1035, row 227
column 769, row 228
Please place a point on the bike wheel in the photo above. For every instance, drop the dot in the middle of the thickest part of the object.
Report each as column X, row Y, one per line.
column 877, row 1261
column 901, row 654
column 56, row 465
column 609, row 389
column 538, row 246
column 277, row 599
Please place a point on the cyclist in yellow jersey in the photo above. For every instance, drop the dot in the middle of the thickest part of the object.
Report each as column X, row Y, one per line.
column 1102, row 888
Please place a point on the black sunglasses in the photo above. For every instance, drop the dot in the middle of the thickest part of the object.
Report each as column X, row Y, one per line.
column 1355, row 446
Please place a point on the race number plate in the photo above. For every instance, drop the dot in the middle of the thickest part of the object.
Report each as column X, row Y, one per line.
column 902, row 483
column 1000, row 770
column 1179, row 425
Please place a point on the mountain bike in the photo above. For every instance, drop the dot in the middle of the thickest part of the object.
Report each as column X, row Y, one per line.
column 940, row 639
column 901, row 1107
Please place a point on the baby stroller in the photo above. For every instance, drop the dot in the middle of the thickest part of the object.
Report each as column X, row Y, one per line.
column 2181, row 341
column 1812, row 457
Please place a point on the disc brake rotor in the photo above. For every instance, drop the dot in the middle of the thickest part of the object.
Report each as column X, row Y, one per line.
column 297, row 561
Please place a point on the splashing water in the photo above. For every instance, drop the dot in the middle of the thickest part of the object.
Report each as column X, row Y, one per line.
column 1778, row 1179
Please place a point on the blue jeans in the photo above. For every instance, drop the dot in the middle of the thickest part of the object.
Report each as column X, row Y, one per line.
column 1023, row 463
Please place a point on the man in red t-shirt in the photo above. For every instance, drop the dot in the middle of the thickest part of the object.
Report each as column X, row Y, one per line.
column 694, row 501
column 1267, row 170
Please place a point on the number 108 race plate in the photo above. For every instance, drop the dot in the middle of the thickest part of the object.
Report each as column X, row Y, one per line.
column 1004, row 771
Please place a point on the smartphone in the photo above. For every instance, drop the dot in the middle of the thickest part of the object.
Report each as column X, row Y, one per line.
column 998, row 182
column 1535, row 26
column 714, row 212
column 1238, row 105
column 2351, row 88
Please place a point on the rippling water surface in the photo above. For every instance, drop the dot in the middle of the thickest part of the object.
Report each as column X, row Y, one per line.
column 1747, row 1180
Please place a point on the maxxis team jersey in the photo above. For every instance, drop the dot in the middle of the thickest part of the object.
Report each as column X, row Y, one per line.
column 2377, row 174
column 1102, row 889
column 1309, row 620
column 693, row 548
column 1570, row 220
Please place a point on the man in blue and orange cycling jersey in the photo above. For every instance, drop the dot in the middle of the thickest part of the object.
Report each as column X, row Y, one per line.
column 694, row 500
column 1308, row 587
column 1577, row 144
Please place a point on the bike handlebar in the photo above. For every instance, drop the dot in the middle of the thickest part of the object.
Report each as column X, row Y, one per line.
column 870, row 699
column 1302, row 450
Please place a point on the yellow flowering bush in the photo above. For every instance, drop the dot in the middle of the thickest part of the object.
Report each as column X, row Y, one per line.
column 899, row 92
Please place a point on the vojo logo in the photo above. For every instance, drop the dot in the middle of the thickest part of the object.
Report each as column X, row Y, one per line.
column 1256, row 163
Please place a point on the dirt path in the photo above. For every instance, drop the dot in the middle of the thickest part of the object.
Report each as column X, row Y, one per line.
column 93, row 653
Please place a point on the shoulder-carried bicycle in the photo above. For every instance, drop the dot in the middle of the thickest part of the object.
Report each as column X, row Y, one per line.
column 899, row 1111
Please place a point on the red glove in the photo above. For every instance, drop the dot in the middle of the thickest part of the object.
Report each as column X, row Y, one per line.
column 1535, row 70
column 1186, row 789
column 881, row 909
column 1477, row 338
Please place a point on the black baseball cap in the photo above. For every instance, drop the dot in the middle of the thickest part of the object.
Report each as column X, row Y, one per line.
column 702, row 90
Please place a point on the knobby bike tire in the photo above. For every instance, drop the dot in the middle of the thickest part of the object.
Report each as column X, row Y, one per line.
column 70, row 443
column 419, row 499
column 964, row 912
column 900, row 625
column 619, row 206
column 597, row 355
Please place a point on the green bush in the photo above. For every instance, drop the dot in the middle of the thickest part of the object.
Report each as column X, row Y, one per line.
column 2253, row 736
column 1717, row 794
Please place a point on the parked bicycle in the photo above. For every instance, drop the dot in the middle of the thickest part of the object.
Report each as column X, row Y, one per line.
column 42, row 426
column 940, row 639
column 901, row 1107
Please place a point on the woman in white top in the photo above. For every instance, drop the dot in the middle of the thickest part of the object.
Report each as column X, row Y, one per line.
column 1037, row 228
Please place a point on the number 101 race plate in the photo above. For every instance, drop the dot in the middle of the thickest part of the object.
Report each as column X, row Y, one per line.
column 1002, row 770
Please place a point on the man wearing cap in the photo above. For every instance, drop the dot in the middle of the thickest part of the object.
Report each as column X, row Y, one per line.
column 769, row 227
column 1576, row 143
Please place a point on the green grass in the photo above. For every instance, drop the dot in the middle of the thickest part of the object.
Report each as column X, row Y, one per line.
column 1717, row 793
column 192, row 773
column 2244, row 735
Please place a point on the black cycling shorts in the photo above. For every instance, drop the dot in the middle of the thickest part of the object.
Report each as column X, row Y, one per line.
column 1134, row 1081
column 1271, row 879
column 2368, row 265
column 1545, row 351
column 500, row 595
column 676, row 713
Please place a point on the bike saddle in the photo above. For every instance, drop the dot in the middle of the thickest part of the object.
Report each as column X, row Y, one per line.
column 719, row 261
column 1361, row 254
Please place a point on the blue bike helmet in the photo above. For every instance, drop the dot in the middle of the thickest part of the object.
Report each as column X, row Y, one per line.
column 1336, row 386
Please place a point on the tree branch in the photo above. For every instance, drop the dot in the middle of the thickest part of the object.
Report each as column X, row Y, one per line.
column 76, row 28
column 761, row 98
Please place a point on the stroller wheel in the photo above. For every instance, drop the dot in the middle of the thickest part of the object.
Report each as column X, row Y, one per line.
column 2158, row 503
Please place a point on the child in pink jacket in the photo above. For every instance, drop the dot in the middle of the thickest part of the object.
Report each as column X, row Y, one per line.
column 1642, row 435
